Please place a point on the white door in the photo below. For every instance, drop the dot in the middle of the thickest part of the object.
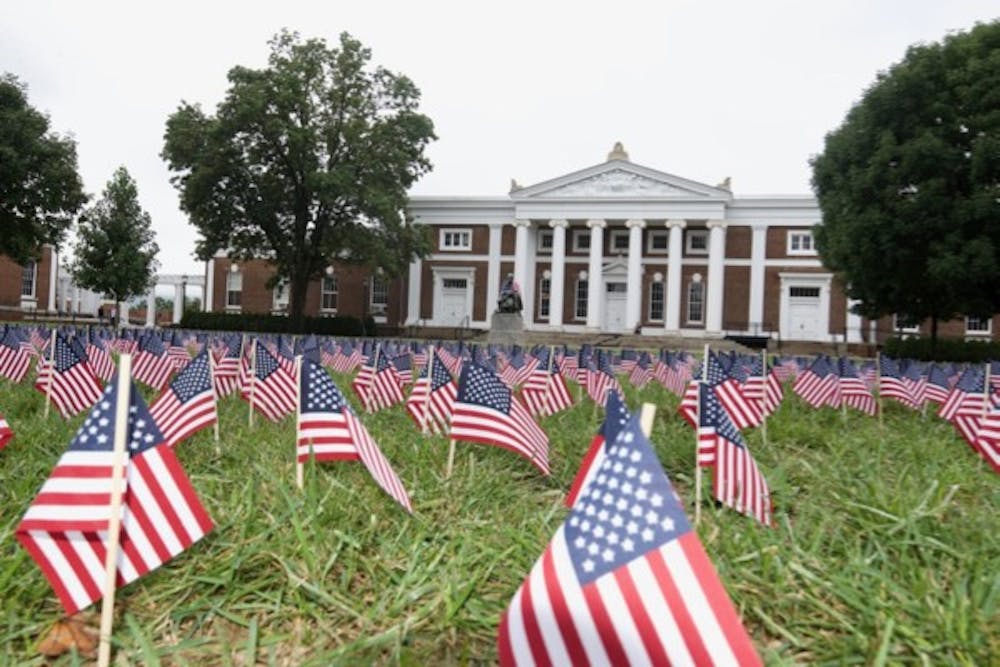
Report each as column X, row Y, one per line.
column 804, row 314
column 452, row 306
column 615, row 296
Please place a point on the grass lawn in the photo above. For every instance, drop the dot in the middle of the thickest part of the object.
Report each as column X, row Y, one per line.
column 886, row 547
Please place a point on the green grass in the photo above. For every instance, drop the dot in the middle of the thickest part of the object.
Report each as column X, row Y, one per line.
column 886, row 548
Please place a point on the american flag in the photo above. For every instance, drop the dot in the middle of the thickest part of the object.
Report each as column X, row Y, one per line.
column 272, row 388
column 486, row 411
column 676, row 375
column 5, row 432
column 744, row 413
column 601, row 379
column 14, row 360
column 153, row 367
column 227, row 366
column 853, row 390
column 818, row 385
column 738, row 483
column 188, row 404
column 987, row 441
column 624, row 580
column 100, row 358
column 568, row 365
column 629, row 358
column 545, row 392
column 75, row 387
column 328, row 427
column 65, row 528
column 616, row 415
column 403, row 364
column 381, row 387
column 967, row 404
column 346, row 359
column 640, row 374
column 518, row 369
column 434, row 410
column 177, row 351
column 891, row 384
column 938, row 387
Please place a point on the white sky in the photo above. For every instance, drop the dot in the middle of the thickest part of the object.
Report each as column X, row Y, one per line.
column 525, row 90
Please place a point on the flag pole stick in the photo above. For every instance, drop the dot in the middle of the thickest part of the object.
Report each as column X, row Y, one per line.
column 52, row 372
column 697, row 464
column 451, row 458
column 430, row 387
column 115, row 519
column 299, row 466
column 763, row 394
column 253, row 378
column 371, row 384
column 215, row 398
column 646, row 418
column 548, row 376
column 878, row 388
column 986, row 390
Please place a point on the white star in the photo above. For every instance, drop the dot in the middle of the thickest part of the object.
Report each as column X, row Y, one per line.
column 589, row 510
column 645, row 478
column 102, row 439
column 598, row 531
column 627, row 488
column 618, row 467
column 635, row 456
column 613, row 483
column 631, row 472
column 608, row 555
column 652, row 517
column 656, row 500
column 647, row 535
column 580, row 542
column 621, row 505
column 603, row 515
column 641, row 494
column 585, row 526
column 588, row 565
column 628, row 437
column 667, row 524
column 612, row 537
column 617, row 521
column 574, row 520
column 593, row 548
column 628, row 545
column 636, row 510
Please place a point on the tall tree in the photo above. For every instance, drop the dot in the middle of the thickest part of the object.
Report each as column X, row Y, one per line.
column 909, row 184
column 305, row 162
column 116, row 250
column 40, row 189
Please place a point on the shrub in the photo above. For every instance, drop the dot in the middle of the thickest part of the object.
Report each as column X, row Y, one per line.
column 341, row 325
column 947, row 349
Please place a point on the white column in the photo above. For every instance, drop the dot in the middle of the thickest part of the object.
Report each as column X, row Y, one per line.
column 716, row 275
column 633, row 300
column 595, row 284
column 493, row 268
column 521, row 253
column 53, row 277
column 208, row 297
column 75, row 305
column 758, row 254
column 558, row 279
column 413, row 292
column 675, row 245
column 178, row 303
column 151, row 308
column 853, row 323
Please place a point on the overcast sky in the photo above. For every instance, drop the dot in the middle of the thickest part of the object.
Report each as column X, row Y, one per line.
column 525, row 90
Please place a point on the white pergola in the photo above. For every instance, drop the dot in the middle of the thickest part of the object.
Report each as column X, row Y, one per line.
column 180, row 283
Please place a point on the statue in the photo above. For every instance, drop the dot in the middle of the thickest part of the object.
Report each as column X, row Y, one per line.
column 510, row 296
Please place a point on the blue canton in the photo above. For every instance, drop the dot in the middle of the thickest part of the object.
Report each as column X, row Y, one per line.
column 266, row 363
column 193, row 380
column 65, row 356
column 318, row 390
column 629, row 508
column 616, row 416
column 480, row 386
column 713, row 415
column 97, row 432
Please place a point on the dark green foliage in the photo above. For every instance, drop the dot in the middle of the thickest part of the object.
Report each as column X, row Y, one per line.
column 307, row 162
column 40, row 189
column 945, row 349
column 341, row 325
column 116, row 253
column 909, row 184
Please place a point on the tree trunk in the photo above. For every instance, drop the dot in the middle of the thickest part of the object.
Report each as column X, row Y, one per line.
column 934, row 334
column 298, row 286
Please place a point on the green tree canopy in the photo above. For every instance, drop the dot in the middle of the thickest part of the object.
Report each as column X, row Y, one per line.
column 40, row 189
column 116, row 250
column 909, row 184
column 305, row 162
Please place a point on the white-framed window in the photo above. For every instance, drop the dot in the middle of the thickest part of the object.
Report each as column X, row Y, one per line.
column 803, row 292
column 801, row 243
column 379, row 301
column 619, row 240
column 696, row 302
column 544, row 300
column 544, row 241
column 328, row 294
column 696, row 241
column 29, row 273
column 580, row 299
column 656, row 302
column 905, row 324
column 456, row 239
column 279, row 300
column 657, row 241
column 978, row 326
column 581, row 240
column 234, row 290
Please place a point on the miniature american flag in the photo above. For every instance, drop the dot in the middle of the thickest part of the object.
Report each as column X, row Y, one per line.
column 75, row 387
column 434, row 410
column 271, row 389
column 188, row 404
column 616, row 415
column 14, row 359
column 5, row 432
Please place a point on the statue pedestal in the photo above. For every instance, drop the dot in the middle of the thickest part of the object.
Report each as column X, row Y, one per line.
column 506, row 329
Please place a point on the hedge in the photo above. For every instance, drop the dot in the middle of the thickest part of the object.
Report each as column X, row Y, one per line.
column 341, row 325
column 946, row 349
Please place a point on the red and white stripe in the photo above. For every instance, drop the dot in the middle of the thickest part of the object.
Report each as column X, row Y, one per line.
column 987, row 441
column 550, row 398
column 6, row 433
column 815, row 390
column 179, row 421
column 100, row 359
column 340, row 436
column 744, row 413
column 437, row 410
column 665, row 607
column 14, row 363
column 65, row 529
column 274, row 397
column 517, row 431
column 73, row 391
column 737, row 482
column 151, row 370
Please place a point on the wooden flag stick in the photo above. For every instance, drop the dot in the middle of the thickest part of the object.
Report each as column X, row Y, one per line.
column 299, row 466
column 430, row 387
column 253, row 378
column 763, row 394
column 371, row 384
column 548, row 376
column 52, row 372
column 878, row 389
column 215, row 397
column 115, row 519
column 986, row 390
column 646, row 418
column 451, row 458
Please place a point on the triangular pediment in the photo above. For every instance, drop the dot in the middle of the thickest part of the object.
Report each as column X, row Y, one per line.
column 619, row 179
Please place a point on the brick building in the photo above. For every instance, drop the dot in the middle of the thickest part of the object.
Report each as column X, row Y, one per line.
column 616, row 247
column 28, row 288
